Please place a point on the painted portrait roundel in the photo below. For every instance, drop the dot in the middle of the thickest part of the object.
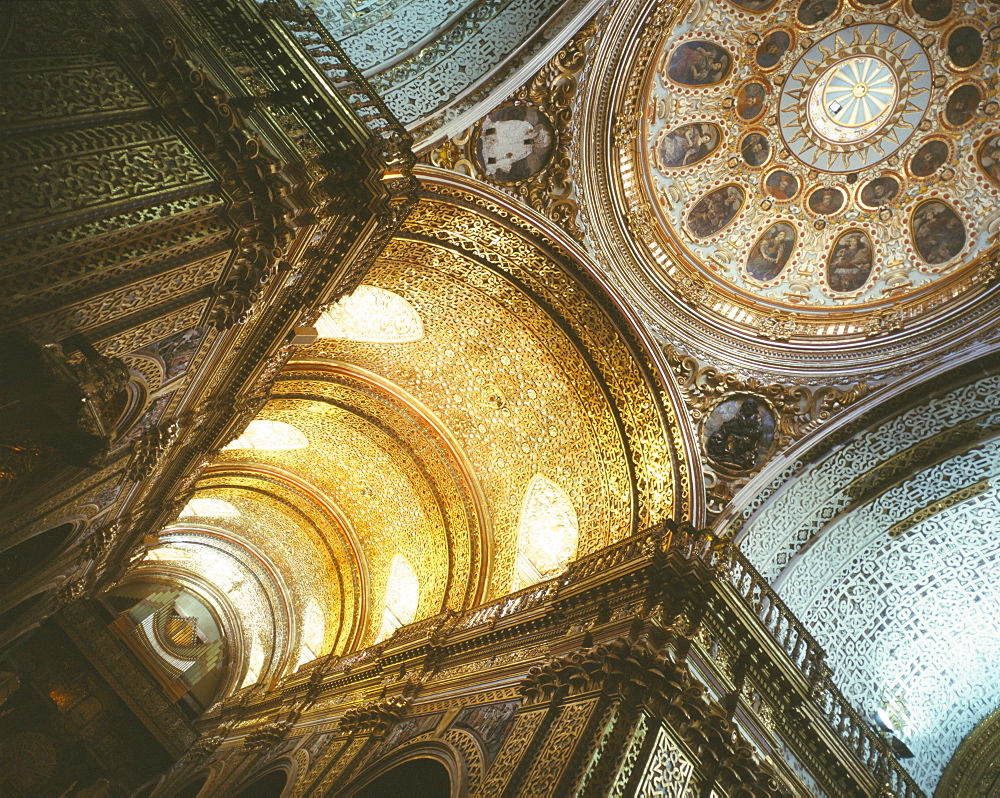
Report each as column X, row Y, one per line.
column 514, row 143
column 738, row 433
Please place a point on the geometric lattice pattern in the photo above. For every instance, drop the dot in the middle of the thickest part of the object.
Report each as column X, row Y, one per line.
column 900, row 584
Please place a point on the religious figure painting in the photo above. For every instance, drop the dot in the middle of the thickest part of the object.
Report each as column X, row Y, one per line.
column 962, row 105
column 738, row 433
column 965, row 46
column 932, row 10
column 812, row 12
column 688, row 144
column 938, row 233
column 175, row 352
column 514, row 143
column 489, row 721
column 781, row 185
column 989, row 158
column 715, row 210
column 750, row 101
column 771, row 252
column 699, row 63
column 851, row 261
column 774, row 45
column 929, row 158
column 880, row 191
column 754, row 5
column 755, row 149
column 826, row 200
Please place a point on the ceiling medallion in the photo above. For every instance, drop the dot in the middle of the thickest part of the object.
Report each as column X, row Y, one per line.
column 854, row 98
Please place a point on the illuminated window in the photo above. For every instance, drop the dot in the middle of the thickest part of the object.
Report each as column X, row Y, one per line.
column 313, row 631
column 209, row 508
column 264, row 434
column 401, row 597
column 374, row 315
column 547, row 533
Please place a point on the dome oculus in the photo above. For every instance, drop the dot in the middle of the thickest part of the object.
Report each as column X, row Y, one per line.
column 854, row 98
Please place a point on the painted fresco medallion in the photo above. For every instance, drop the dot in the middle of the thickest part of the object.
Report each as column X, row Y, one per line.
column 699, row 63
column 771, row 252
column 826, row 200
column 813, row 12
column 963, row 102
column 772, row 48
column 851, row 261
column 938, row 233
column 988, row 158
column 929, row 158
column 932, row 10
column 755, row 150
column 713, row 212
column 688, row 144
column 965, row 47
column 513, row 143
column 781, row 185
column 879, row 192
column 738, row 433
column 751, row 100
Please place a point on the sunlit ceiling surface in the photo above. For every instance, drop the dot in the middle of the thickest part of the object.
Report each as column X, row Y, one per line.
column 888, row 550
column 469, row 403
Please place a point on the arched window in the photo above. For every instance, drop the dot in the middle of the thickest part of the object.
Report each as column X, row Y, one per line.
column 312, row 634
column 402, row 596
column 270, row 435
column 547, row 533
column 209, row 508
column 373, row 315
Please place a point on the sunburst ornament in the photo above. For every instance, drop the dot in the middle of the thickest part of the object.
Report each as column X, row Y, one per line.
column 855, row 97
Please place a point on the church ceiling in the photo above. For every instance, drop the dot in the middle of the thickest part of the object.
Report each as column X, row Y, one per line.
column 436, row 63
column 886, row 549
column 817, row 173
column 471, row 418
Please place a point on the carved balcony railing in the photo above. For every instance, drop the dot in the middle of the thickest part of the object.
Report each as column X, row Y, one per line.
column 667, row 546
column 807, row 655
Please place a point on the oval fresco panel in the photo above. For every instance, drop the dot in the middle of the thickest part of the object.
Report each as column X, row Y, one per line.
column 812, row 12
column 989, row 158
column 755, row 149
column 771, row 252
column 699, row 63
column 965, row 46
column 929, row 158
column 688, row 144
column 932, row 10
column 781, row 185
column 880, row 191
column 938, row 233
column 772, row 48
column 738, row 433
column 756, row 6
column 715, row 210
column 851, row 260
column 750, row 100
column 962, row 105
column 825, row 200
column 514, row 143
